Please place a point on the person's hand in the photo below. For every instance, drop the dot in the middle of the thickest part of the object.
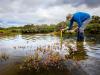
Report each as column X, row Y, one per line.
column 70, row 31
column 62, row 29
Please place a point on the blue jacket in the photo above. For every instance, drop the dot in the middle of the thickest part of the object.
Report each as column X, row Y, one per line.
column 79, row 17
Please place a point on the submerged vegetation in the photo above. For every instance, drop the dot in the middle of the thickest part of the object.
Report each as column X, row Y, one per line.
column 93, row 27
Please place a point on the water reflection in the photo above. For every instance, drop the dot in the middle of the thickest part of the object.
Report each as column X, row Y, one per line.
column 52, row 57
column 79, row 53
column 46, row 54
column 3, row 57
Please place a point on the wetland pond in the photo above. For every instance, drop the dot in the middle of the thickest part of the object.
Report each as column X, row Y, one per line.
column 45, row 54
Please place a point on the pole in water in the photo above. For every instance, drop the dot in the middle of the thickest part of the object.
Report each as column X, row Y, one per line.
column 61, row 39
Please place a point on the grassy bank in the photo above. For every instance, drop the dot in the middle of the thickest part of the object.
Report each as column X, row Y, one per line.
column 8, row 32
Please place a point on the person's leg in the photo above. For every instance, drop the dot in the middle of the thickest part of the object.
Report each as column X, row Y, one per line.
column 84, row 25
column 80, row 35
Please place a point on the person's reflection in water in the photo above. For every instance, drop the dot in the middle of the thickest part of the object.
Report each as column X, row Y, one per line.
column 78, row 53
column 75, row 56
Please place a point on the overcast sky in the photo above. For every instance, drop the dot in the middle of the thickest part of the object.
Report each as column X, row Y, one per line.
column 20, row 12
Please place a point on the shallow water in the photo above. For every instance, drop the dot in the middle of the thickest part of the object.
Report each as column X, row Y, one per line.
column 78, row 58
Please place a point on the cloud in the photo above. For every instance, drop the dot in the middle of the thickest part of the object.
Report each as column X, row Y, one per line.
column 89, row 3
column 92, row 3
column 43, row 11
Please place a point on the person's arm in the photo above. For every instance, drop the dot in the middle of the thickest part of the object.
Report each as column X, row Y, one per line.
column 70, row 24
column 67, row 23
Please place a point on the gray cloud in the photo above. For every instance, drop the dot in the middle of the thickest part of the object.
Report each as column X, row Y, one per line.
column 92, row 3
column 43, row 11
column 89, row 3
column 7, row 6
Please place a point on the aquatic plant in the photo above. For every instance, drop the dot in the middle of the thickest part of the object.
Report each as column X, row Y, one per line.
column 51, row 57
column 3, row 57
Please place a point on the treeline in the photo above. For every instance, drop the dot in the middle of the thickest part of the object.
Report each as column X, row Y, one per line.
column 93, row 26
column 38, row 28
column 95, row 19
column 31, row 28
column 44, row 28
